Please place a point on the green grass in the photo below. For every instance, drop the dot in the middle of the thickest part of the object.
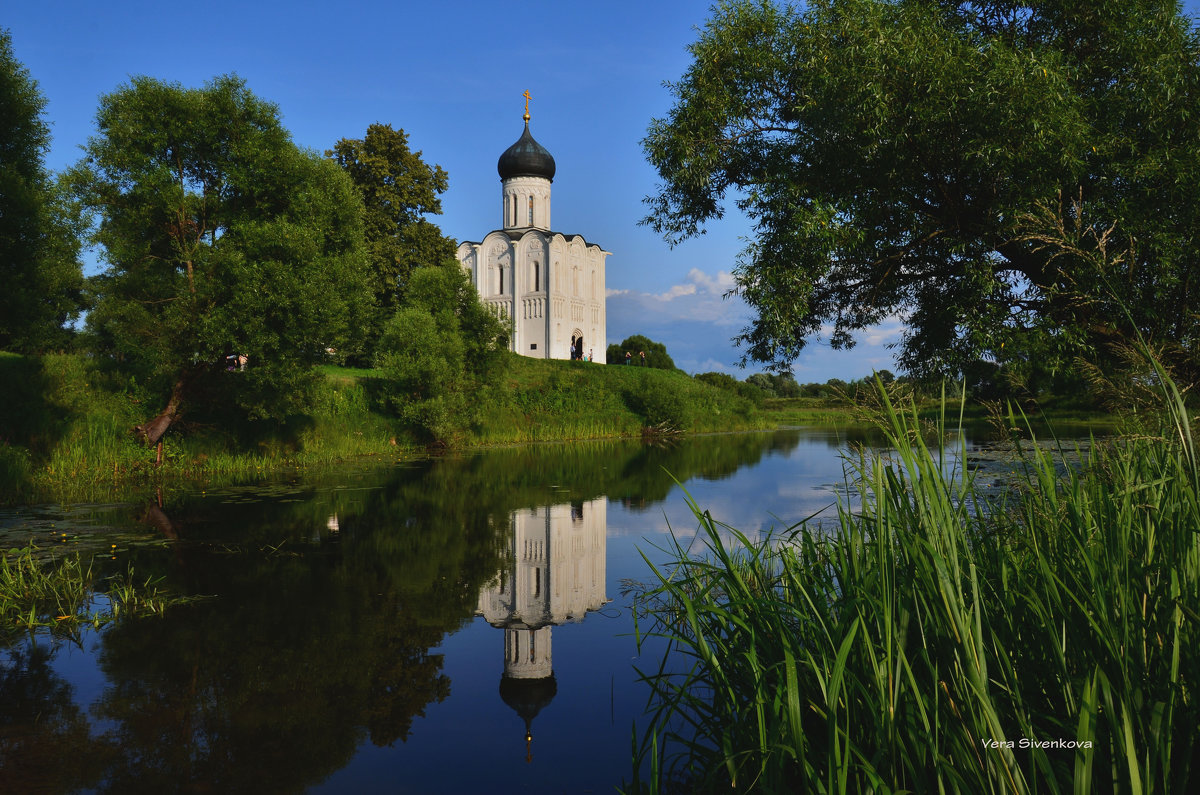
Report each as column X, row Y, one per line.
column 906, row 646
column 543, row 400
column 65, row 424
column 39, row 591
column 65, row 434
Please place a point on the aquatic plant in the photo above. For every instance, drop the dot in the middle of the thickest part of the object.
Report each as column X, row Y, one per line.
column 921, row 644
column 63, row 594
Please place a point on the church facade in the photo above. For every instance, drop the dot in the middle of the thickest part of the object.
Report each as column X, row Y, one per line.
column 549, row 285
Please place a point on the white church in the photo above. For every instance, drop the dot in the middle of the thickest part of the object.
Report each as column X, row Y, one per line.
column 550, row 284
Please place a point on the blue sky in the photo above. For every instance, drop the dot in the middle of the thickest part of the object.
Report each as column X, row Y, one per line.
column 452, row 75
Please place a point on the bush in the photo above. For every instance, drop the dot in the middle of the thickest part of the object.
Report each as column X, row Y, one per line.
column 719, row 380
column 659, row 404
column 439, row 353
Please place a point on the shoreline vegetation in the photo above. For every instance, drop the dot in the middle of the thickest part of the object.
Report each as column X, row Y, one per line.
column 65, row 423
column 934, row 640
column 58, row 595
column 66, row 437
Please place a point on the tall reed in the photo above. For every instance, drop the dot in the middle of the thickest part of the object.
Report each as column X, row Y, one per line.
column 39, row 591
column 932, row 642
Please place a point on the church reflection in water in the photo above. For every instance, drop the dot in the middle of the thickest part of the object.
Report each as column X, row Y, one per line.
column 553, row 574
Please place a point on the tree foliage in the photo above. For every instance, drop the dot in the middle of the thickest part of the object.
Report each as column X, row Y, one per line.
column 222, row 239
column 440, row 352
column 960, row 164
column 730, row 384
column 39, row 250
column 635, row 345
column 398, row 190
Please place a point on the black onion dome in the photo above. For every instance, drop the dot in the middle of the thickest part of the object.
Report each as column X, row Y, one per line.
column 526, row 158
column 528, row 697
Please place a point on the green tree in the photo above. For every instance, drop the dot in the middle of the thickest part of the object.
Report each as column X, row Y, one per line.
column 656, row 352
column 785, row 385
column 719, row 380
column 441, row 352
column 763, row 383
column 398, row 189
column 991, row 171
column 222, row 239
column 39, row 247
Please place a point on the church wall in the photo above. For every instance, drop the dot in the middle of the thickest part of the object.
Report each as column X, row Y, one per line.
column 533, row 305
column 495, row 277
column 468, row 256
column 551, row 289
column 577, row 297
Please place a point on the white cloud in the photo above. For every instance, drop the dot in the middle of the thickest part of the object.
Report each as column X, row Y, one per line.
column 711, row 365
column 887, row 331
column 701, row 297
column 721, row 284
column 675, row 292
column 696, row 322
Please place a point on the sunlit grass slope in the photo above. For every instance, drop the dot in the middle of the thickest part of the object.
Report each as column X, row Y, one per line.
column 65, row 423
column 542, row 399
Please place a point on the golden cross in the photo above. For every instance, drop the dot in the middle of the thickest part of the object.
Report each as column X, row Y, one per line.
column 527, row 98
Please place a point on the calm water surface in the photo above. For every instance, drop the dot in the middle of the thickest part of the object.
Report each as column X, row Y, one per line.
column 455, row 625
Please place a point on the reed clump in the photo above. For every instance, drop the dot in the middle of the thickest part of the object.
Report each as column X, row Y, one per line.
column 41, row 592
column 932, row 640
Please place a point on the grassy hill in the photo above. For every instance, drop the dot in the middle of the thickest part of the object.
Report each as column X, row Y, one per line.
column 65, row 424
column 545, row 399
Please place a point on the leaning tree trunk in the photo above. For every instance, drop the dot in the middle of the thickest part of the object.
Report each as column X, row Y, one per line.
column 151, row 432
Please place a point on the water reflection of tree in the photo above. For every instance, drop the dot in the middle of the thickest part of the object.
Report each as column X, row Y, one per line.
column 308, row 648
column 319, row 634
column 272, row 686
column 45, row 742
column 628, row 471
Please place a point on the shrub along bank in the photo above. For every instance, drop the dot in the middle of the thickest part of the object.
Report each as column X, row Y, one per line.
column 65, row 422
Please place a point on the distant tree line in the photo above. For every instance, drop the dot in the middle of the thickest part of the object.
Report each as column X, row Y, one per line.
column 760, row 386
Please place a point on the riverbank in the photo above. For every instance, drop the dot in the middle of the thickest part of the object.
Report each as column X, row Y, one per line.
column 65, row 423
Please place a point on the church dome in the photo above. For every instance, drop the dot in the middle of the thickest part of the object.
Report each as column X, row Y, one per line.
column 528, row 697
column 526, row 158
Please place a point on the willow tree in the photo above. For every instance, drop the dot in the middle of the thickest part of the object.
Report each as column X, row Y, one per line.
column 1002, row 175
column 235, row 260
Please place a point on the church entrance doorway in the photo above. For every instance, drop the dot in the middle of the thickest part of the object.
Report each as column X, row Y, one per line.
column 576, row 345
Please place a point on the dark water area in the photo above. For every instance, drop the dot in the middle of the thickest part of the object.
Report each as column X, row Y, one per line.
column 454, row 625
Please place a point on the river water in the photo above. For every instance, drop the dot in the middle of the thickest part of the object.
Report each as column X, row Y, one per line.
column 453, row 625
